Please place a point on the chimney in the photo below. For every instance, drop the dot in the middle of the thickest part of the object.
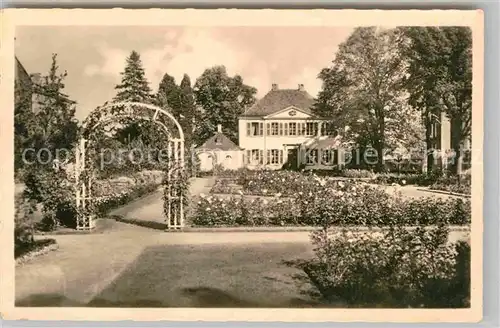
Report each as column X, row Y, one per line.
column 219, row 128
column 301, row 87
column 274, row 87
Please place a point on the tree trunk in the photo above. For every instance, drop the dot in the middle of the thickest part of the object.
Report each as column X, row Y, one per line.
column 428, row 145
column 456, row 145
column 379, row 144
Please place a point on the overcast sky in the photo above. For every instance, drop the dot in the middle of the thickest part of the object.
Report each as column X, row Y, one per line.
column 95, row 56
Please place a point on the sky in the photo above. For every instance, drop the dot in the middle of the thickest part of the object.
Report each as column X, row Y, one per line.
column 94, row 56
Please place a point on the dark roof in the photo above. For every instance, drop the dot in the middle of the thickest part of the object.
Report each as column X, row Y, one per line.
column 219, row 142
column 276, row 100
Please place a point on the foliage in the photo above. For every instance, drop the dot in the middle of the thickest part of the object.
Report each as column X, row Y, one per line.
column 191, row 114
column 326, row 201
column 398, row 267
column 23, row 224
column 175, row 188
column 104, row 204
column 134, row 87
column 363, row 91
column 420, row 179
column 179, row 99
column 53, row 190
column 454, row 184
column 440, row 77
column 23, row 120
column 53, row 126
column 223, row 99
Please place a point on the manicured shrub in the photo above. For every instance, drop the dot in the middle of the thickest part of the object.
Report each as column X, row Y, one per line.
column 396, row 268
column 454, row 184
column 333, row 202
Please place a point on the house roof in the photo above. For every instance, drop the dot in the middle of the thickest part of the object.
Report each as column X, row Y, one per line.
column 276, row 100
column 219, row 142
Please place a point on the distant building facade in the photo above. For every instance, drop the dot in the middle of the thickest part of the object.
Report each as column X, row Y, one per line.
column 280, row 130
column 441, row 137
column 220, row 151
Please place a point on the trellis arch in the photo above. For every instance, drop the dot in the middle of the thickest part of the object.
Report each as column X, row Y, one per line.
column 116, row 112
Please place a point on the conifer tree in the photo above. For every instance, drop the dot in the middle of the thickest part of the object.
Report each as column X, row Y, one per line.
column 134, row 85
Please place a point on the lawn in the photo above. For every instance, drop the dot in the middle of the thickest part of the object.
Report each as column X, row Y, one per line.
column 210, row 275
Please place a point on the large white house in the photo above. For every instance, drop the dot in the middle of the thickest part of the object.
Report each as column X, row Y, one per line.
column 280, row 130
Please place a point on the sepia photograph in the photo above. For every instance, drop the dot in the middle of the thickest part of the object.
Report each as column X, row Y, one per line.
column 232, row 163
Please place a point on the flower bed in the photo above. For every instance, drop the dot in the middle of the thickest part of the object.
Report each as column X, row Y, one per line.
column 335, row 202
column 106, row 203
column 454, row 185
column 399, row 268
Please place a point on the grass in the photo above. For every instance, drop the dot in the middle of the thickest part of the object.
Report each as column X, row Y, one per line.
column 209, row 276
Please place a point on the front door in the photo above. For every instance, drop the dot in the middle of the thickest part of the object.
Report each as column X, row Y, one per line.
column 292, row 158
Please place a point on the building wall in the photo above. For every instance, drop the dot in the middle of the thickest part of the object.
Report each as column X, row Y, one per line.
column 268, row 141
column 23, row 85
column 229, row 159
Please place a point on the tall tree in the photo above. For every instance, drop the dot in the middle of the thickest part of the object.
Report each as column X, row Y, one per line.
column 190, row 113
column 52, row 133
column 56, row 126
column 440, row 80
column 169, row 95
column 363, row 90
column 134, row 87
column 223, row 99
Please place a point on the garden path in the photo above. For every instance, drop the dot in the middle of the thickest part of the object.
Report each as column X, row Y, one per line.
column 150, row 207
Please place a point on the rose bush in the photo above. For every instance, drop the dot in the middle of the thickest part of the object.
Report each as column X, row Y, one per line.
column 330, row 202
column 396, row 268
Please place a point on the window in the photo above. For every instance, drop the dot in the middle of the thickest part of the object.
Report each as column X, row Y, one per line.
column 311, row 156
column 328, row 129
column 311, row 129
column 293, row 129
column 275, row 156
column 274, row 129
column 301, row 129
column 218, row 141
column 327, row 157
column 255, row 129
column 255, row 156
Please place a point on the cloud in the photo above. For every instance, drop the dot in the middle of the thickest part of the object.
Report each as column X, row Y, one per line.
column 262, row 56
column 190, row 52
column 113, row 64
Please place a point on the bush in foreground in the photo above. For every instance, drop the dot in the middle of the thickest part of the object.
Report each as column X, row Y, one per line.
column 397, row 268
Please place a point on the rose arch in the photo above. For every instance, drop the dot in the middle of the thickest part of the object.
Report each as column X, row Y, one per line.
column 175, row 179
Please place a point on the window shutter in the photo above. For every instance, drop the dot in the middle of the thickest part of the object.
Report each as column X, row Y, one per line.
column 268, row 128
column 248, row 129
column 286, row 129
column 281, row 129
column 268, row 159
column 261, row 156
column 249, row 157
column 280, row 160
column 261, row 129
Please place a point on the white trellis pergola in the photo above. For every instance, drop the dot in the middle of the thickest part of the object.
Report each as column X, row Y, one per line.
column 115, row 112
